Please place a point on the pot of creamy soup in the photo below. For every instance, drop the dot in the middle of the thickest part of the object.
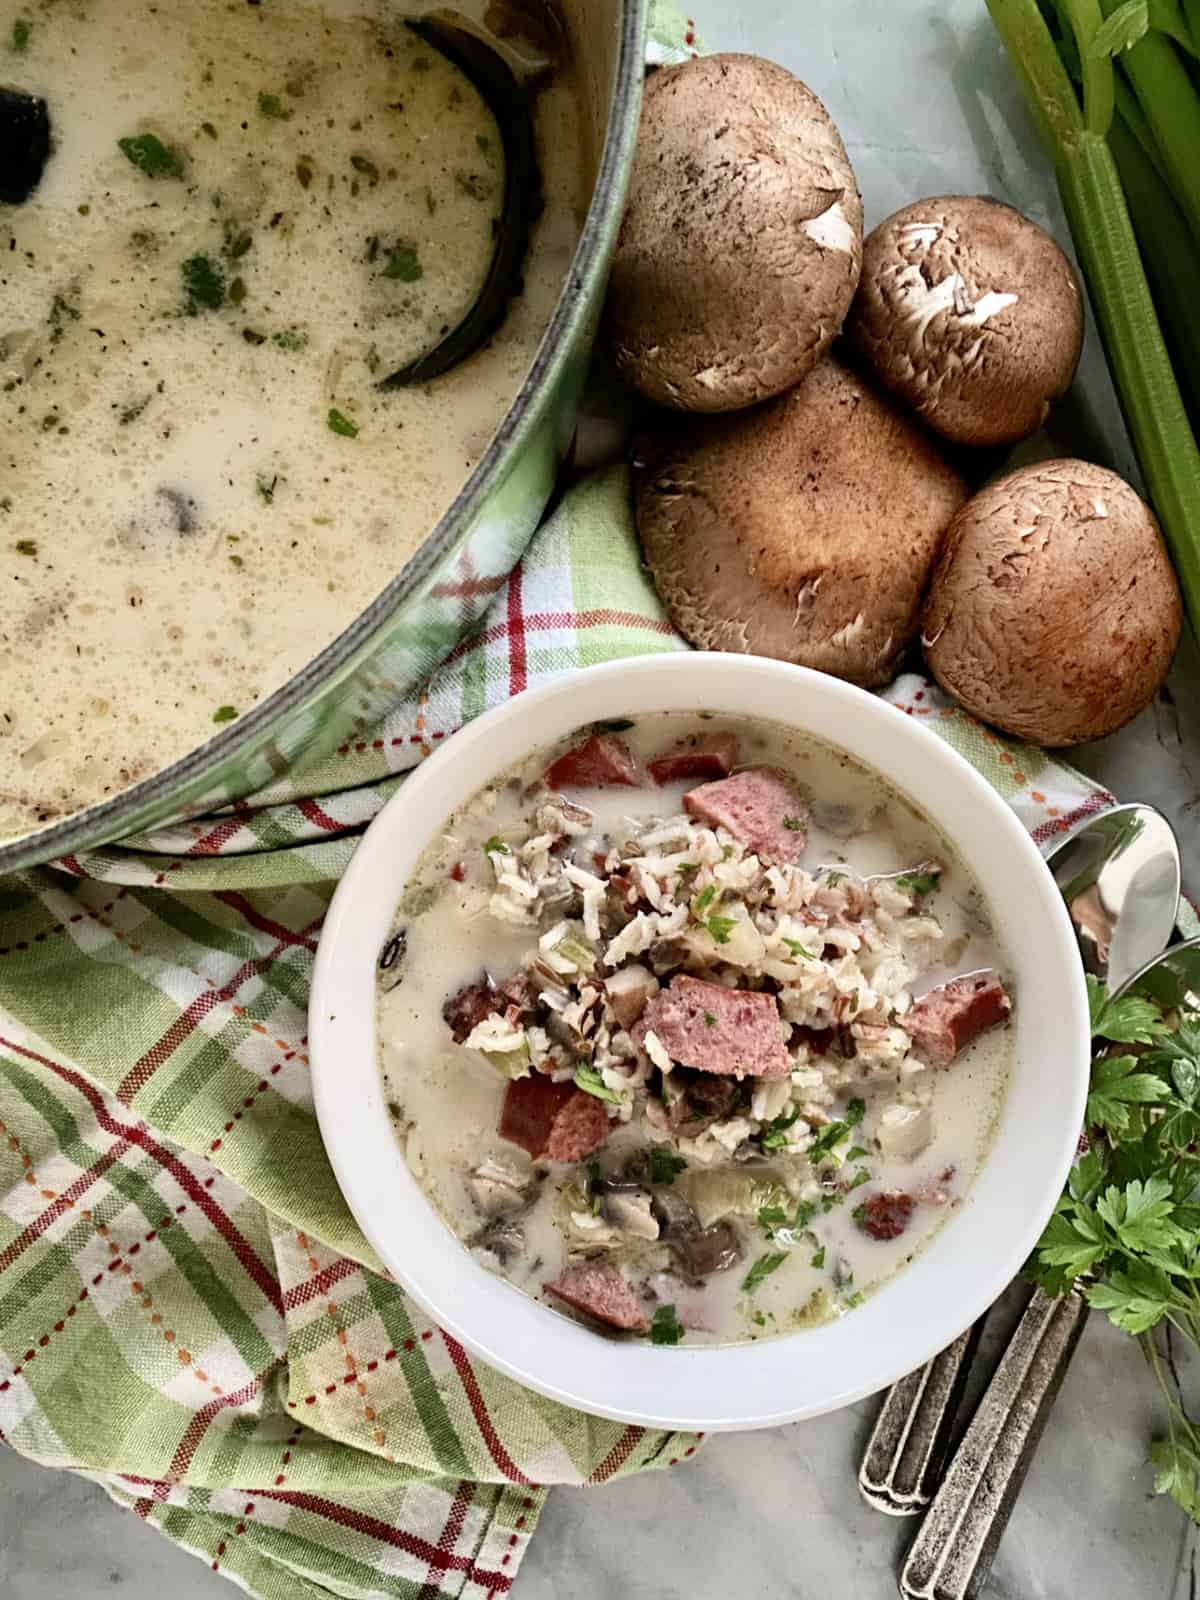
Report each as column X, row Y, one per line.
column 295, row 304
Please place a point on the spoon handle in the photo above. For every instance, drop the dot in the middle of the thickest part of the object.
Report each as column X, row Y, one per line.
column 907, row 1448
column 952, row 1554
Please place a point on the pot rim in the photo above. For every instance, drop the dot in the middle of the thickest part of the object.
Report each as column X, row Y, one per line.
column 151, row 799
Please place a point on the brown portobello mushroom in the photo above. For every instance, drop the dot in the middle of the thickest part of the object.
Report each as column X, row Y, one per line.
column 805, row 529
column 739, row 252
column 1054, row 611
column 970, row 314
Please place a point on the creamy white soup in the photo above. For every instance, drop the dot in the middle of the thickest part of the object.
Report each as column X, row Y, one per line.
column 693, row 1029
column 250, row 215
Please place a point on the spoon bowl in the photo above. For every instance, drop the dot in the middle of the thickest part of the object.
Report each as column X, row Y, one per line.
column 1120, row 876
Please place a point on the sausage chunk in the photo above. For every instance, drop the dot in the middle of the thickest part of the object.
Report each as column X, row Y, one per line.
column 949, row 1018
column 727, row 1032
column 554, row 1120
column 886, row 1215
column 761, row 806
column 597, row 1288
column 601, row 762
column 712, row 755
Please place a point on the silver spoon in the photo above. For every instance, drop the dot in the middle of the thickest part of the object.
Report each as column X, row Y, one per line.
column 951, row 1556
column 1120, row 876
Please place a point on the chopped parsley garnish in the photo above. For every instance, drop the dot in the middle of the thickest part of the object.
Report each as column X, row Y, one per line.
column 759, row 1320
column 852, row 1300
column 272, row 107
column 853, row 1007
column 793, row 824
column 62, row 310
column 710, row 1020
column 203, row 285
column 237, row 246
column 833, row 1133
column 27, row 547
column 224, row 714
column 798, row 949
column 665, row 1165
column 403, row 264
column 590, row 1081
column 237, row 291
column 367, row 167
column 22, row 31
column 774, row 1220
column 775, row 1134
column 859, row 1214
column 860, row 1177
column 337, row 423
column 918, row 883
column 496, row 846
column 290, row 339
column 818, row 1258
column 703, row 900
column 720, row 928
column 687, row 869
column 763, row 1268
column 832, row 879
column 855, row 1153
column 665, row 1327
column 151, row 156
column 265, row 487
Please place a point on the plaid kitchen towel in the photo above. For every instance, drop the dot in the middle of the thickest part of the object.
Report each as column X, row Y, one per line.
column 188, row 1313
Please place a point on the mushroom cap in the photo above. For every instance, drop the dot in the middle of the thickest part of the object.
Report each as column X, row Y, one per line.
column 739, row 252
column 1054, row 611
column 971, row 314
column 805, row 529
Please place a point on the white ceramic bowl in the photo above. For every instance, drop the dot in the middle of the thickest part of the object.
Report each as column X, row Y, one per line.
column 796, row 1375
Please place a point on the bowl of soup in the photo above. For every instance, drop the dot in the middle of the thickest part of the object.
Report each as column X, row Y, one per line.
column 700, row 1040
column 248, row 498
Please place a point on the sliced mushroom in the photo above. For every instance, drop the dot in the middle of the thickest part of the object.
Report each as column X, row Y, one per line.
column 502, row 1238
column 499, row 1190
column 628, row 991
column 631, row 1211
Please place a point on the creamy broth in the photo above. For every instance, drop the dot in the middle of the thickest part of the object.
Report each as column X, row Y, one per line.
column 817, row 1211
column 201, row 481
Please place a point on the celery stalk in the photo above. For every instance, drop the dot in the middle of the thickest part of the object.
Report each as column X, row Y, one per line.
column 1132, row 115
column 1170, row 255
column 1104, row 240
column 1172, row 108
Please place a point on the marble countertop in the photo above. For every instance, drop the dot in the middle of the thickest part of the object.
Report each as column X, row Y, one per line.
column 927, row 105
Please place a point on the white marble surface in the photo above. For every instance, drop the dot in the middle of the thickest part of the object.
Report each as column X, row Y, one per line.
column 924, row 98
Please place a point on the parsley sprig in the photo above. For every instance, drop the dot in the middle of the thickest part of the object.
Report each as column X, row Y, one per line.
column 1129, row 1222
